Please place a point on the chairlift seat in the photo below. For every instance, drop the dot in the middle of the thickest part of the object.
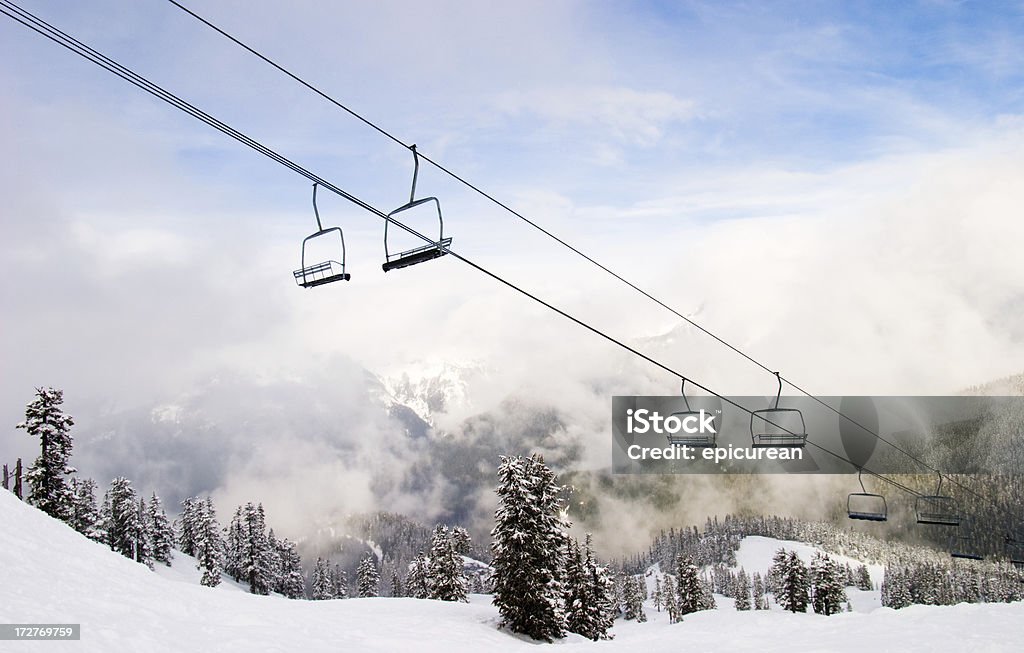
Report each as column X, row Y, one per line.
column 695, row 440
column 790, row 419
column 965, row 547
column 416, row 255
column 937, row 510
column 866, row 506
column 321, row 273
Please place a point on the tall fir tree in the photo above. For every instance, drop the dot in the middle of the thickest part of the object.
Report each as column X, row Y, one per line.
column 48, row 476
column 447, row 578
column 290, row 582
column 85, row 515
column 396, row 585
column 742, row 591
column 121, row 515
column 688, row 586
column 144, row 536
column 235, row 547
column 339, row 579
column 162, row 532
column 320, row 584
column 258, row 557
column 528, row 540
column 757, row 587
column 188, row 524
column 827, row 585
column 417, row 579
column 208, row 544
column 794, row 585
column 367, row 577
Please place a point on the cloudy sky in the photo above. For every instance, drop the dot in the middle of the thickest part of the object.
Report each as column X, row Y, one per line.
column 834, row 187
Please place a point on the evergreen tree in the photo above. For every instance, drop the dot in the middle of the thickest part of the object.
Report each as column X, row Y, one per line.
column 396, row 585
column 634, row 599
column 322, row 587
column 671, row 601
column 121, row 516
column 688, row 586
column 528, row 547
column 827, row 585
column 162, row 533
column 794, row 584
column 144, row 536
column 189, row 524
column 447, row 580
column 49, row 489
column 85, row 516
column 758, row 590
column 235, row 547
column 416, row 579
column 657, row 593
column 367, row 577
column 257, row 557
column 290, row 582
column 207, row 542
column 863, row 579
column 590, row 593
column 339, row 579
column 742, row 591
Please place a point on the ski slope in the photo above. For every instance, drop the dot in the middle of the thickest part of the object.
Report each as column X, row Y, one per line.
column 53, row 575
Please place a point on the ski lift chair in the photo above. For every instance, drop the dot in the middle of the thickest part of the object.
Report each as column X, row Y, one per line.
column 778, row 427
column 866, row 506
column 327, row 271
column 965, row 544
column 422, row 253
column 1015, row 551
column 937, row 509
column 696, row 440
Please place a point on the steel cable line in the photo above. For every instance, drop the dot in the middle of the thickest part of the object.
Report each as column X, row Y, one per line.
column 47, row 30
column 568, row 245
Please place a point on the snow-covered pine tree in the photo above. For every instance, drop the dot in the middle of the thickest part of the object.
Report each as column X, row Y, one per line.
column 707, row 596
column 757, row 588
column 367, row 577
column 188, row 524
column 528, row 546
column 794, row 584
column 863, row 579
column 742, row 591
column 257, row 563
column 85, row 516
column 396, row 584
column 634, row 599
column 671, row 600
column 144, row 536
column 773, row 579
column 290, row 582
column 321, row 585
column 577, row 591
column 656, row 596
column 828, row 580
column 121, row 516
column 161, row 531
column 447, row 579
column 234, row 547
column 416, row 579
column 207, row 542
column 688, row 586
column 339, row 580
column 47, row 477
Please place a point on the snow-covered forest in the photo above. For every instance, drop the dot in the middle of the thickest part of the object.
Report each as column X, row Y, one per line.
column 543, row 583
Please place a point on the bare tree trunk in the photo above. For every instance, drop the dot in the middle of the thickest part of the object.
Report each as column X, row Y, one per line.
column 7, row 478
column 17, row 479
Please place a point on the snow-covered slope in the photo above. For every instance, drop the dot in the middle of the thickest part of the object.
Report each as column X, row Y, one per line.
column 53, row 575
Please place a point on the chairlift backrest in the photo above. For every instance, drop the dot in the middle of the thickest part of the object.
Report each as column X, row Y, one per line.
column 421, row 253
column 778, row 427
column 866, row 506
column 937, row 509
column 318, row 274
column 700, row 439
